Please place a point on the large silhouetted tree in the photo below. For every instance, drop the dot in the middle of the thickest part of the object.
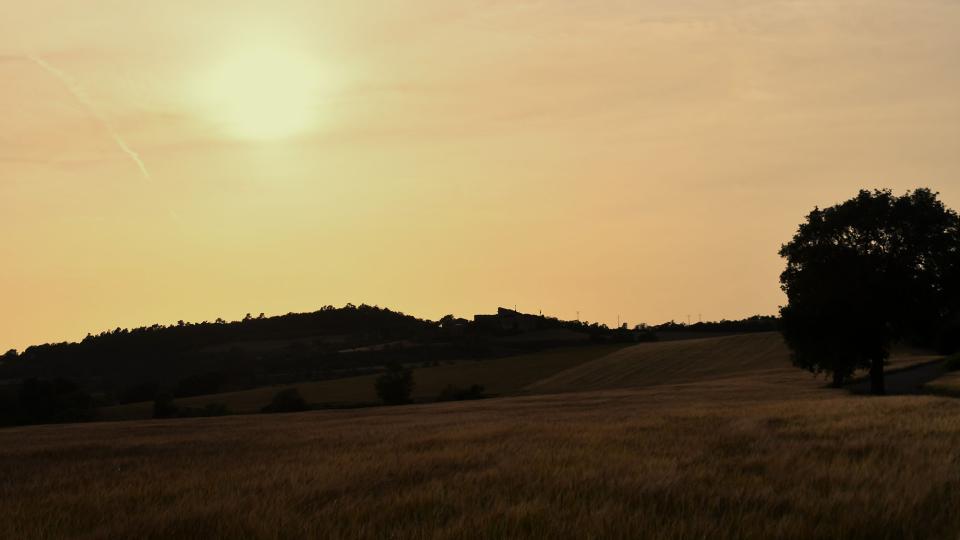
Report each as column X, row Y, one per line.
column 865, row 273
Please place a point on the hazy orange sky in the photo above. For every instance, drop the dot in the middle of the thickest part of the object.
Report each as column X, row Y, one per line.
column 641, row 158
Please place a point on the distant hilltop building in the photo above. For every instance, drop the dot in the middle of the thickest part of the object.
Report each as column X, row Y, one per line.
column 454, row 326
column 509, row 320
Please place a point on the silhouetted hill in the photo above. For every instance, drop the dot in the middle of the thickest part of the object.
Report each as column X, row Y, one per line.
column 191, row 359
column 214, row 353
column 67, row 381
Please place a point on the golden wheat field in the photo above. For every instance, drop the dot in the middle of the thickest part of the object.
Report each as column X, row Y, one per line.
column 761, row 453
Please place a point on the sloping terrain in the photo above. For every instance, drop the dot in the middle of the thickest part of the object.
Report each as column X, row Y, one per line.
column 673, row 362
column 758, row 356
column 746, row 359
column 947, row 384
column 498, row 377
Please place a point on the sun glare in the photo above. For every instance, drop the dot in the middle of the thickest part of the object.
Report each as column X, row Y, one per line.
column 263, row 94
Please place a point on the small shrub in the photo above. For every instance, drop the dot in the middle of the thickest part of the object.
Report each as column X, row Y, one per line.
column 200, row 384
column 42, row 401
column 145, row 391
column 456, row 393
column 210, row 409
column 948, row 342
column 164, row 407
column 395, row 386
column 287, row 400
column 953, row 362
column 8, row 411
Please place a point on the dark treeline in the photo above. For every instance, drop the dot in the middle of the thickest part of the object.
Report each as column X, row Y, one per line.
column 756, row 323
column 68, row 382
column 143, row 350
column 38, row 401
column 61, row 382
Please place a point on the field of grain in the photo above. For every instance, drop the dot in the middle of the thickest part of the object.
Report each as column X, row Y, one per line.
column 728, row 459
column 752, row 448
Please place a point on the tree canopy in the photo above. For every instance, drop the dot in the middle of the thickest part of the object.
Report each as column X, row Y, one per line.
column 866, row 273
column 395, row 385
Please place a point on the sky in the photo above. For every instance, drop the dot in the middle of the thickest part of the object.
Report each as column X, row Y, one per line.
column 635, row 159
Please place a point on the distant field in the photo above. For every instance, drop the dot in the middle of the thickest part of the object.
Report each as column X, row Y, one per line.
column 497, row 376
column 733, row 458
column 673, row 362
column 762, row 356
column 585, row 368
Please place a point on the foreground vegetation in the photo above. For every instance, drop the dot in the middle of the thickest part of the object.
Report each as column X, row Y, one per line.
column 744, row 457
column 717, row 438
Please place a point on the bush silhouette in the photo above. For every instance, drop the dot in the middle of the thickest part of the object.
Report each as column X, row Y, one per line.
column 948, row 342
column 164, row 407
column 215, row 409
column 395, row 386
column 42, row 401
column 456, row 393
column 287, row 400
column 953, row 362
column 145, row 391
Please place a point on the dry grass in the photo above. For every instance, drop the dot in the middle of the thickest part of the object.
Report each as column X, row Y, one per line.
column 730, row 459
column 754, row 450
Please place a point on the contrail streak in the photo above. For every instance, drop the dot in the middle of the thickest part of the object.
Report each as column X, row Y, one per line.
column 77, row 92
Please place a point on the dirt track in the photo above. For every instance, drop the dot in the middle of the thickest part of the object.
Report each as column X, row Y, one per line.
column 909, row 380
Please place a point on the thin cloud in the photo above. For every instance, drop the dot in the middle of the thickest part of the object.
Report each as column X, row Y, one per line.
column 78, row 93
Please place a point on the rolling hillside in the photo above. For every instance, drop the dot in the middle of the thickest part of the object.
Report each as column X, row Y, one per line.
column 673, row 362
column 760, row 357
column 500, row 376
column 745, row 360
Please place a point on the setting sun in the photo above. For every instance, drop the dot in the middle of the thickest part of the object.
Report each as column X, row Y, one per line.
column 263, row 94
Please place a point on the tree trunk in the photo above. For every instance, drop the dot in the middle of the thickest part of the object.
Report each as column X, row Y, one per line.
column 877, row 387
